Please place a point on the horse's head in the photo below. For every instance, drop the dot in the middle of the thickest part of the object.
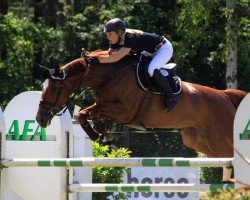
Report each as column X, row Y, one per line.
column 56, row 89
column 60, row 83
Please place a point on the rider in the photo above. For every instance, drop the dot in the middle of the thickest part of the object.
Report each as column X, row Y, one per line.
column 123, row 40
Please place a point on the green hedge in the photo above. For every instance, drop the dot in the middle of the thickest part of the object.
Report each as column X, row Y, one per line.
column 109, row 174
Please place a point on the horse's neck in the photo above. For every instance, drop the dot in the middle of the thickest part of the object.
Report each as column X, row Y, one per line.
column 96, row 75
column 76, row 70
column 100, row 74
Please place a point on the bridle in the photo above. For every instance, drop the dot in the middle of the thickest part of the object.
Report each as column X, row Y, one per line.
column 53, row 108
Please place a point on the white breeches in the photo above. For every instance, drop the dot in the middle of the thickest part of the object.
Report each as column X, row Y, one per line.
column 161, row 57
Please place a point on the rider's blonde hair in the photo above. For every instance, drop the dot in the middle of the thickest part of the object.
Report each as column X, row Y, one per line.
column 138, row 33
column 134, row 31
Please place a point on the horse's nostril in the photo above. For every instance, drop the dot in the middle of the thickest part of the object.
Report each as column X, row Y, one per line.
column 42, row 120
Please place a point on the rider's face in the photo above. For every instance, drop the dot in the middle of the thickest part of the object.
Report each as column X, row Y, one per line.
column 113, row 37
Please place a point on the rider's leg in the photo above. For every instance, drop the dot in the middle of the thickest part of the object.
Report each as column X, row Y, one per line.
column 163, row 84
column 161, row 57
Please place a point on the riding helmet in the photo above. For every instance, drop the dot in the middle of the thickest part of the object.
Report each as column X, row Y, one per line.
column 114, row 25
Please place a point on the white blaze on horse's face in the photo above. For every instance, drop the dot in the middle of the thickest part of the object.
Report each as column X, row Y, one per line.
column 45, row 86
column 191, row 88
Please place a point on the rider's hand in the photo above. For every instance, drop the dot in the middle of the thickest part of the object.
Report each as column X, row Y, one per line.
column 93, row 60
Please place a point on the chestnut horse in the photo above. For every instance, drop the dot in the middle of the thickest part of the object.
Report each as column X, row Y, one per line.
column 204, row 114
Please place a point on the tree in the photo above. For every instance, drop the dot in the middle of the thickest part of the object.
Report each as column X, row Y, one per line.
column 4, row 7
column 50, row 15
column 231, row 70
column 200, row 42
column 243, row 39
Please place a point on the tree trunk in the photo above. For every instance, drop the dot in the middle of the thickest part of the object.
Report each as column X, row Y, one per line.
column 3, row 10
column 50, row 14
column 4, row 7
column 38, row 10
column 38, row 14
column 231, row 71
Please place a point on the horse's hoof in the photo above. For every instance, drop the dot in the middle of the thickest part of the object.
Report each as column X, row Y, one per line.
column 109, row 137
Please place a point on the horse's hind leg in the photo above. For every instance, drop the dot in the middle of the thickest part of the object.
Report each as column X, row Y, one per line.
column 194, row 139
column 220, row 141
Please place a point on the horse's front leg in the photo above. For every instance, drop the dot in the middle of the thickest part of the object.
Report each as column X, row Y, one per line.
column 82, row 117
column 114, row 110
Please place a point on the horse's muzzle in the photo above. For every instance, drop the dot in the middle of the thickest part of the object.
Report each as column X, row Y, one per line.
column 43, row 120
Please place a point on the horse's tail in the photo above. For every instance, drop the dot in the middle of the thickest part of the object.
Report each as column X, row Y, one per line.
column 235, row 96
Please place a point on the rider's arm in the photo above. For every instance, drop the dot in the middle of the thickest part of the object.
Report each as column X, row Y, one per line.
column 114, row 56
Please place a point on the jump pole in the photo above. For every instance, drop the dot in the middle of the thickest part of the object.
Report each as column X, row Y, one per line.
column 117, row 162
column 148, row 187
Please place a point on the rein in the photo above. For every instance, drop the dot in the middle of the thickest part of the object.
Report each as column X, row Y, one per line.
column 64, row 108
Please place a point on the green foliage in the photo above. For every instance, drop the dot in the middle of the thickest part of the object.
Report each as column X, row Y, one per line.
column 231, row 195
column 21, row 39
column 49, row 42
column 211, row 174
column 16, row 39
column 201, row 43
column 109, row 174
column 243, row 34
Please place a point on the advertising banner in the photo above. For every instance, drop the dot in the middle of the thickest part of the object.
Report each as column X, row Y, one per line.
column 163, row 175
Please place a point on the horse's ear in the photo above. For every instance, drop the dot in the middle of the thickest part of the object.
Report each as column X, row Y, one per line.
column 58, row 73
column 55, row 73
column 44, row 71
column 46, row 74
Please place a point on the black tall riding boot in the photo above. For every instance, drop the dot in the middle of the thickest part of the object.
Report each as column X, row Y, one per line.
column 163, row 84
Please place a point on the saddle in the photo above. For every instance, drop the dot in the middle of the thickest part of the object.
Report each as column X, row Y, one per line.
column 147, row 83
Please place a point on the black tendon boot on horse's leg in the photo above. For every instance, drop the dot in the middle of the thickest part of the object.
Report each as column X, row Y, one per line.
column 163, row 84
